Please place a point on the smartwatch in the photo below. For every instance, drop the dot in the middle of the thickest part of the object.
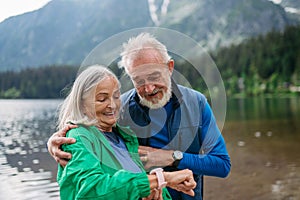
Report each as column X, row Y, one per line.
column 160, row 177
column 177, row 157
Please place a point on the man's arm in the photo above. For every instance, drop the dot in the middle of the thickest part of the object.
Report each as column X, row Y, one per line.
column 56, row 140
column 152, row 157
column 212, row 160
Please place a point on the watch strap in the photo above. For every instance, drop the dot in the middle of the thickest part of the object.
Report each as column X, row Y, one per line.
column 160, row 177
column 176, row 163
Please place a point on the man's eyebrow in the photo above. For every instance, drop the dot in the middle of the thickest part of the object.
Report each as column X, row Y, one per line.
column 135, row 77
column 151, row 74
column 155, row 73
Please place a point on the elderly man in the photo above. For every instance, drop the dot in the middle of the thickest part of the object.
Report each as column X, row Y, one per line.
column 175, row 124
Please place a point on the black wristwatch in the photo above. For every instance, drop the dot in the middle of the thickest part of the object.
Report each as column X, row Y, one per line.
column 177, row 157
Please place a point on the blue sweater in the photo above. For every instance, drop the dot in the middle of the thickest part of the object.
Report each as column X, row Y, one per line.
column 186, row 123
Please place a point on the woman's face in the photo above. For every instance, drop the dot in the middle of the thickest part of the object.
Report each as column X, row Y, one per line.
column 107, row 103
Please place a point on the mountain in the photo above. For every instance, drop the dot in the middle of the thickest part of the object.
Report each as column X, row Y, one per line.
column 292, row 7
column 64, row 31
column 218, row 23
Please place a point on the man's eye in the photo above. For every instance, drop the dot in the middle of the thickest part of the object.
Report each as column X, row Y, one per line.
column 140, row 81
column 154, row 77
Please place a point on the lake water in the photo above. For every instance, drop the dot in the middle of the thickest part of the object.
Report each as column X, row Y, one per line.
column 26, row 169
column 263, row 139
column 262, row 136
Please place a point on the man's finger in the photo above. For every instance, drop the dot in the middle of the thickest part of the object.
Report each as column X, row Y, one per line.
column 62, row 155
column 63, row 132
column 62, row 162
column 143, row 152
column 62, row 140
column 144, row 158
column 145, row 148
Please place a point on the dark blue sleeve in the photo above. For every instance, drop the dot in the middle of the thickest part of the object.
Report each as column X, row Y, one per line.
column 213, row 158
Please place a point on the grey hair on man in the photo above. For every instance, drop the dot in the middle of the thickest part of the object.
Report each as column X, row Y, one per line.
column 132, row 49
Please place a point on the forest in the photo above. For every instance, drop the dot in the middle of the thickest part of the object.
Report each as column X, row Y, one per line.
column 264, row 65
column 39, row 83
column 267, row 64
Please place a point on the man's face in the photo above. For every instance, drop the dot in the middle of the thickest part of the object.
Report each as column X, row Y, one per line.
column 151, row 78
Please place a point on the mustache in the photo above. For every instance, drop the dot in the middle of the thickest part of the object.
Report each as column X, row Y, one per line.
column 156, row 90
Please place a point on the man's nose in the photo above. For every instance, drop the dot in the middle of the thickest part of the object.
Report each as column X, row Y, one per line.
column 149, row 88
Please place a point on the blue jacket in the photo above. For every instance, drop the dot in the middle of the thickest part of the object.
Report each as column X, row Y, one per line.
column 190, row 128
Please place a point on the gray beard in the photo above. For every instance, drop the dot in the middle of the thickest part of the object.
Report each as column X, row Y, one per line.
column 161, row 103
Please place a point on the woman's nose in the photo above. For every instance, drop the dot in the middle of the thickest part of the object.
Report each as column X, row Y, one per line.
column 112, row 103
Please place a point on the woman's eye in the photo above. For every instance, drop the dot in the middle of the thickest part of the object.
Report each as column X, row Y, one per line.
column 117, row 96
column 101, row 99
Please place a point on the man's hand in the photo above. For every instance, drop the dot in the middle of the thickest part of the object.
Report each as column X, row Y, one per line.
column 152, row 157
column 56, row 140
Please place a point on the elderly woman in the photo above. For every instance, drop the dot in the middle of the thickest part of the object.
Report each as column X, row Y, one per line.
column 105, row 163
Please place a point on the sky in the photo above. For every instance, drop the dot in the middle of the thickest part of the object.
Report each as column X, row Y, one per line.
column 16, row 7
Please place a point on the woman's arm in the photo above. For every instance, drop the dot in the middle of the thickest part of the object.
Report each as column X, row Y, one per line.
column 87, row 176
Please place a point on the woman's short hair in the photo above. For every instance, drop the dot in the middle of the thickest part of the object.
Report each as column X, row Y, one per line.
column 72, row 109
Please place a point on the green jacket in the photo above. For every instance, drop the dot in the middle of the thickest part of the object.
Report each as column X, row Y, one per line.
column 94, row 171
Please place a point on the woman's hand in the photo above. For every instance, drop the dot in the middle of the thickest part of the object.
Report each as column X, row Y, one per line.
column 182, row 181
column 156, row 194
column 56, row 140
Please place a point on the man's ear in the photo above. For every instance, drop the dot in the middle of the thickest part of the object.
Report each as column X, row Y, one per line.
column 171, row 65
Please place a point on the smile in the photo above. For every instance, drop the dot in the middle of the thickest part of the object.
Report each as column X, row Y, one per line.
column 155, row 91
column 109, row 114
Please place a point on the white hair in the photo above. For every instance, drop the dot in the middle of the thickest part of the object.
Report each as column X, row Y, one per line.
column 73, row 107
column 162, row 102
column 132, row 48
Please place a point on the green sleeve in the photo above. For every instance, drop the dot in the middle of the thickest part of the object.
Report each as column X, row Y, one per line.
column 85, row 177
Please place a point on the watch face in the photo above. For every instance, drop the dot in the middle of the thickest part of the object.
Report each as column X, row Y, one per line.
column 178, row 155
